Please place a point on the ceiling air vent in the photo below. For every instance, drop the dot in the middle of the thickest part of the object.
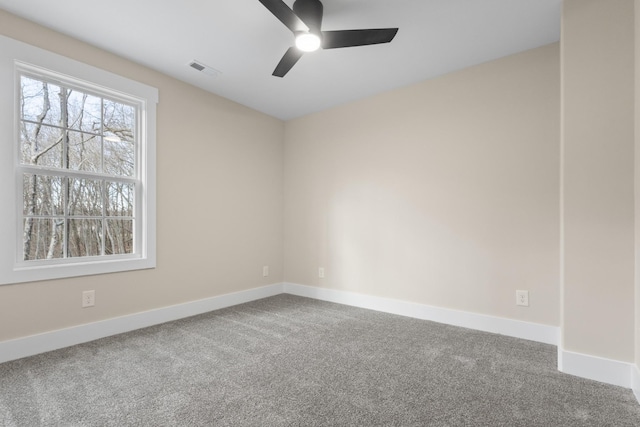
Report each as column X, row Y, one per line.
column 209, row 71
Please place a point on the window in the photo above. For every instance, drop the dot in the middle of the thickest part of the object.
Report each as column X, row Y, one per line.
column 78, row 168
column 83, row 199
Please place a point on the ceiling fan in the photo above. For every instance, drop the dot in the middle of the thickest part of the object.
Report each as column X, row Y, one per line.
column 305, row 20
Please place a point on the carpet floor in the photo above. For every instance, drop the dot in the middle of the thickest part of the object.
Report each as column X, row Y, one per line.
column 292, row 361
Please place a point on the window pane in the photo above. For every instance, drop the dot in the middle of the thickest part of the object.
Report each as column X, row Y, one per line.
column 43, row 238
column 84, row 112
column 85, row 237
column 119, row 120
column 119, row 237
column 40, row 101
column 119, row 199
column 85, row 152
column 41, row 145
column 119, row 158
column 119, row 138
column 42, row 195
column 85, row 197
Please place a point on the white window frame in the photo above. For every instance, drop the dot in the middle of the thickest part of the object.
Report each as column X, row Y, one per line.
column 16, row 59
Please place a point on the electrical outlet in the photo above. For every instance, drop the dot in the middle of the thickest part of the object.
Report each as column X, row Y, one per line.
column 522, row 298
column 88, row 299
column 265, row 271
column 321, row 272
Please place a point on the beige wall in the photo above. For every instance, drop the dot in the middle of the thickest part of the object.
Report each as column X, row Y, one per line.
column 637, row 179
column 218, row 163
column 598, row 175
column 443, row 193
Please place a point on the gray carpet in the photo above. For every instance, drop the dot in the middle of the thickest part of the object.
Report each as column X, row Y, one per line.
column 291, row 361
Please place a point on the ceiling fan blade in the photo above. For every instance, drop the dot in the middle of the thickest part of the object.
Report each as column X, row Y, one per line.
column 348, row 38
column 288, row 61
column 281, row 11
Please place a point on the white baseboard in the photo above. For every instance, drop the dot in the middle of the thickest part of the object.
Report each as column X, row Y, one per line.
column 596, row 368
column 513, row 328
column 48, row 341
column 635, row 381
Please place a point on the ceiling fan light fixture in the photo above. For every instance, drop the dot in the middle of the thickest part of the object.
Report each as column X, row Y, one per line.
column 307, row 42
column 305, row 21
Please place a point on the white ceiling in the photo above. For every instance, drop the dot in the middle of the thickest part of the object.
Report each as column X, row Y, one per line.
column 244, row 41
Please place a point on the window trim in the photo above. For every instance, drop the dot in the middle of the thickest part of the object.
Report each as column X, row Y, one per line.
column 16, row 59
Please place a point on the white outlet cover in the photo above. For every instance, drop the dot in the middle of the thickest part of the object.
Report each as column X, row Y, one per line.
column 522, row 298
column 88, row 298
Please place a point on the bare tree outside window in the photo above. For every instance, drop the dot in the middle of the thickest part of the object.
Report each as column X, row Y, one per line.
column 78, row 152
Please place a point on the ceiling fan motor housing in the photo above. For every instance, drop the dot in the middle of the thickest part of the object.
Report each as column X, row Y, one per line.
column 310, row 11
